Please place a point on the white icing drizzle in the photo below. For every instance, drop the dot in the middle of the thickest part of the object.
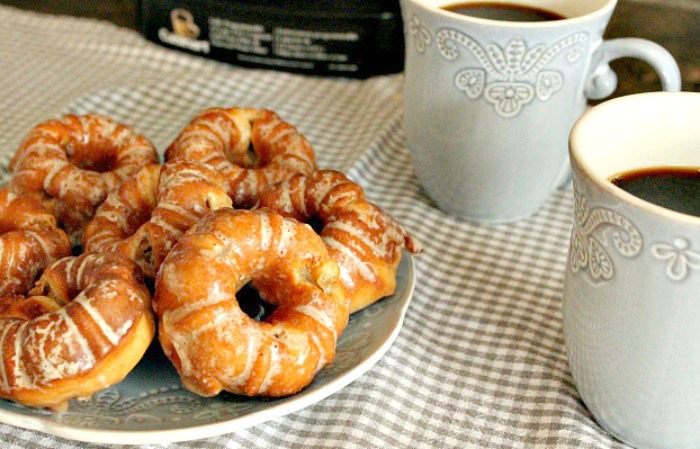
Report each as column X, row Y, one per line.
column 243, row 125
column 285, row 199
column 39, row 151
column 181, row 175
column 321, row 350
column 57, row 166
column 274, row 368
column 114, row 216
column 176, row 208
column 313, row 311
column 79, row 274
column 215, row 296
column 265, row 128
column 281, row 135
column 381, row 249
column 39, row 238
column 135, row 148
column 265, row 232
column 157, row 219
column 77, row 335
column 20, row 376
column 252, row 350
column 226, row 321
column 355, row 263
column 201, row 137
column 217, row 130
column 105, row 328
column 214, row 156
column 287, row 236
column 130, row 202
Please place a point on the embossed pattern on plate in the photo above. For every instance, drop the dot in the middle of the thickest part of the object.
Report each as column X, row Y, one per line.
column 151, row 406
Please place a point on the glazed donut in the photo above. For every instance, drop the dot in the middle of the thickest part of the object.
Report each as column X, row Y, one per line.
column 84, row 326
column 72, row 163
column 213, row 344
column 224, row 138
column 148, row 213
column 29, row 242
column 364, row 240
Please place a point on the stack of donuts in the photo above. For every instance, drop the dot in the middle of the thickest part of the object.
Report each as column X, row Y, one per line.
column 103, row 247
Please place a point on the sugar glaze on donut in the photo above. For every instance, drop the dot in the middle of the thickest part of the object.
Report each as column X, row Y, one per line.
column 29, row 242
column 213, row 344
column 365, row 241
column 253, row 148
column 82, row 328
column 72, row 163
column 148, row 213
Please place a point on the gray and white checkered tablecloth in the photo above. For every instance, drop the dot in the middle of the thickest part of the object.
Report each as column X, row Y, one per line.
column 480, row 361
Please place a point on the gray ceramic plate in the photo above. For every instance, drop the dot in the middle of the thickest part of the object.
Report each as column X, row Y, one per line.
column 151, row 406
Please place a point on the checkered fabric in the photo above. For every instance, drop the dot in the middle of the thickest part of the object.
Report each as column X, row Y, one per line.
column 480, row 361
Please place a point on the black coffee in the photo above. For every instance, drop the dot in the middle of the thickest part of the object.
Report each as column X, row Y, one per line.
column 675, row 188
column 504, row 11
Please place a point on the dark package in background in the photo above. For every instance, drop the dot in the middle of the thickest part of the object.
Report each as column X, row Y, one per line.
column 349, row 38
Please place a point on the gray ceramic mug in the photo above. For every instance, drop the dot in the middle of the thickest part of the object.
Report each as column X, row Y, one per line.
column 488, row 105
column 632, row 282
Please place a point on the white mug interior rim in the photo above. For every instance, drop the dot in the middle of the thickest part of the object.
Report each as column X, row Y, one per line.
column 573, row 10
column 670, row 118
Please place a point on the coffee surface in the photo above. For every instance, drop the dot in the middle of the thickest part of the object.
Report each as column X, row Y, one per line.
column 503, row 11
column 675, row 188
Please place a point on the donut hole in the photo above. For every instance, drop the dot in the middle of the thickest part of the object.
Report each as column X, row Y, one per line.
column 251, row 157
column 99, row 157
column 150, row 284
column 316, row 223
column 252, row 304
column 145, row 254
column 247, row 158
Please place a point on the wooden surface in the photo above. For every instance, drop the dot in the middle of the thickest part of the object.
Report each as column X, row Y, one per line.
column 673, row 24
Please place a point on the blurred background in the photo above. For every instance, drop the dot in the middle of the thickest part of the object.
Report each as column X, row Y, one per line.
column 674, row 24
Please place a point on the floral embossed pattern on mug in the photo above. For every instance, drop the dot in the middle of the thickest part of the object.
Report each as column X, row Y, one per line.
column 489, row 104
column 509, row 77
column 631, row 307
column 512, row 76
column 593, row 230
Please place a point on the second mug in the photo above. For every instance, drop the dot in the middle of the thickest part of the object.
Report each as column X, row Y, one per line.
column 489, row 103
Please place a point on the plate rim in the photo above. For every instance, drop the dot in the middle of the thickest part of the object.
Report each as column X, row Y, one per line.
column 166, row 436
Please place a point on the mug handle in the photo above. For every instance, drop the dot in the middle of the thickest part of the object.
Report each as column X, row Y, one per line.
column 602, row 80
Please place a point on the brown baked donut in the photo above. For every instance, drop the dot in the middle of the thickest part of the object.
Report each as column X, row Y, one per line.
column 223, row 138
column 145, row 216
column 29, row 242
column 213, row 344
column 364, row 240
column 72, row 163
column 84, row 326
